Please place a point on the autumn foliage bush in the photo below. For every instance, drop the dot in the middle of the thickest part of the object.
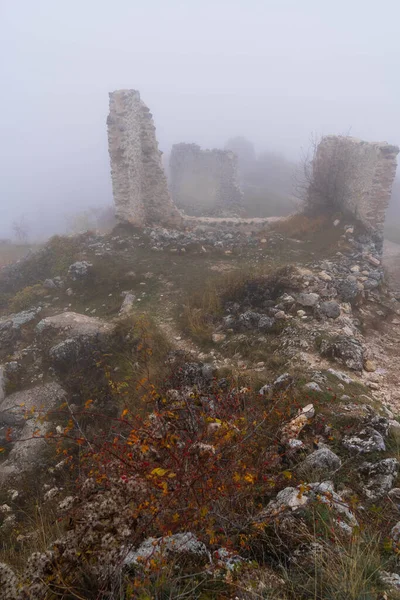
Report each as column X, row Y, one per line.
column 204, row 458
column 196, row 463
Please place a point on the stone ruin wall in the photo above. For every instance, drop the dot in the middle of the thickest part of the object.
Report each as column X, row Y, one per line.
column 140, row 189
column 358, row 175
column 139, row 182
column 205, row 182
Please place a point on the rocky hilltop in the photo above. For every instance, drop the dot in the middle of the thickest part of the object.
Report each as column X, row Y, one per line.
column 203, row 411
column 208, row 410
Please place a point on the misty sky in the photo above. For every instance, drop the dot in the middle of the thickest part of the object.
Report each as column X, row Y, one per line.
column 272, row 70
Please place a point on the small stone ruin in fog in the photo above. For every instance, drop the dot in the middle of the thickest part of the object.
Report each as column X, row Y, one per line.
column 205, row 182
column 356, row 175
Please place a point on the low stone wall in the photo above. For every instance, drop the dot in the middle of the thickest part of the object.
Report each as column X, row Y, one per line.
column 139, row 182
column 205, row 182
column 355, row 176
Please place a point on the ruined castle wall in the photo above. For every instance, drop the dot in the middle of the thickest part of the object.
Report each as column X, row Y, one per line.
column 357, row 177
column 139, row 183
column 205, row 182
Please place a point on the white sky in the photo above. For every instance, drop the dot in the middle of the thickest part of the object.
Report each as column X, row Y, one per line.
column 272, row 70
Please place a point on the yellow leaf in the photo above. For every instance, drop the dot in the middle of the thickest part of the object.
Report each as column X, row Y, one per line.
column 159, row 472
column 144, row 448
column 175, row 518
column 171, row 475
column 2, row 449
column 124, row 412
column 203, row 511
column 88, row 403
column 249, row 478
column 287, row 474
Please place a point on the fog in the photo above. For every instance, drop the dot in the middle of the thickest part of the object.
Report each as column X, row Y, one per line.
column 271, row 70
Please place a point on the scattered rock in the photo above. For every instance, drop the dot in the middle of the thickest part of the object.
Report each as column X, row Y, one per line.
column 379, row 477
column 217, row 338
column 374, row 261
column 330, row 309
column 347, row 289
column 322, row 460
column 312, row 386
column 308, row 299
column 369, row 366
column 23, row 410
column 281, row 384
column 179, row 544
column 49, row 284
column 75, row 324
column 279, row 315
column 395, row 533
column 292, row 429
column 391, row 580
column 346, row 349
column 127, row 304
column 367, row 440
column 324, row 276
column 80, row 270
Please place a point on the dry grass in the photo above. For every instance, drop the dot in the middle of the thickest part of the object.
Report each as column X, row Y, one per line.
column 10, row 253
column 341, row 569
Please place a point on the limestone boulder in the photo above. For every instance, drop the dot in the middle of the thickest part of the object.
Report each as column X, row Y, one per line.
column 346, row 349
column 322, row 460
column 379, row 478
column 70, row 336
column 365, row 441
column 23, row 415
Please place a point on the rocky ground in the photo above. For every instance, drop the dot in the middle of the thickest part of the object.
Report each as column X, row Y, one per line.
column 391, row 261
column 298, row 321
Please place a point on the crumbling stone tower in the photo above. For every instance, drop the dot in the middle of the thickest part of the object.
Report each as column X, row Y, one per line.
column 354, row 176
column 139, row 182
column 205, row 182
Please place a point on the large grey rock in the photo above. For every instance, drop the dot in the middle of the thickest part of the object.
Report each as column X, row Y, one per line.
column 340, row 375
column 24, row 317
column 379, row 477
column 127, row 304
column 74, row 324
column 322, row 460
column 371, row 284
column 367, row 440
column 265, row 323
column 24, row 412
column 11, row 329
column 254, row 320
column 312, row 386
column 80, row 270
column 179, row 543
column 395, row 532
column 281, row 384
column 76, row 335
column 291, row 499
column 310, row 299
column 347, row 350
column 347, row 289
column 391, row 580
column 330, row 309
